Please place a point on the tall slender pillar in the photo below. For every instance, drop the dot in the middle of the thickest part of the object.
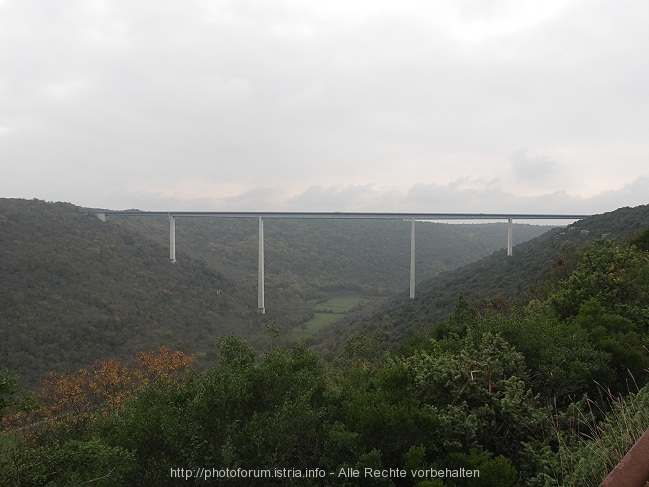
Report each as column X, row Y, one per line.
column 260, row 275
column 509, row 237
column 172, row 238
column 412, row 260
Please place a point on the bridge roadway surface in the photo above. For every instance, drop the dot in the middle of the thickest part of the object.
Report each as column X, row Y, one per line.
column 172, row 215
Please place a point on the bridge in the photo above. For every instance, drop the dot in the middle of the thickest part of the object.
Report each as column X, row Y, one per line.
column 413, row 217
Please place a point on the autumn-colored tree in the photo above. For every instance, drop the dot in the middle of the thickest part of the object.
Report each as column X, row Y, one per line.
column 165, row 364
column 74, row 399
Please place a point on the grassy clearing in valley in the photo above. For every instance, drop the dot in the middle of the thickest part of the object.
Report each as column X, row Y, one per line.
column 326, row 313
column 341, row 304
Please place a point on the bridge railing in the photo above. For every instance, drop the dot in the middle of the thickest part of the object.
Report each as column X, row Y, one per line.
column 633, row 469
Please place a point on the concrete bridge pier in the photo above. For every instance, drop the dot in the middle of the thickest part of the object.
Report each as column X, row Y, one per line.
column 172, row 238
column 510, row 233
column 412, row 260
column 261, row 308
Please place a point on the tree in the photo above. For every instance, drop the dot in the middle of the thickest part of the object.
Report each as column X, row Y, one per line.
column 562, row 362
column 641, row 241
column 621, row 339
column 69, row 403
column 477, row 387
column 606, row 296
column 609, row 274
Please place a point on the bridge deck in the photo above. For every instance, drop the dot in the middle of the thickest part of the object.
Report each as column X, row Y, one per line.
column 350, row 215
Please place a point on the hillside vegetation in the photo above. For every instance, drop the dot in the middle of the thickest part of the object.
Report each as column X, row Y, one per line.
column 74, row 289
column 491, row 281
column 546, row 390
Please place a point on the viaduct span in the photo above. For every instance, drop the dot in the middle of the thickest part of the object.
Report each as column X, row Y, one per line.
column 172, row 215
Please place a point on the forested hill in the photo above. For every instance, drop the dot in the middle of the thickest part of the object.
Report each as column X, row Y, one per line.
column 74, row 289
column 493, row 277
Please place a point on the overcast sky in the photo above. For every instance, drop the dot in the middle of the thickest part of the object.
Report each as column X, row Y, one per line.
column 326, row 105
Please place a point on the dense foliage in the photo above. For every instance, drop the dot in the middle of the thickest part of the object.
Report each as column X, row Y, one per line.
column 548, row 391
column 73, row 290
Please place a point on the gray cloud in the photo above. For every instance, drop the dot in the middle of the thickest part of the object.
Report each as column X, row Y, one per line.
column 363, row 197
column 533, row 169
